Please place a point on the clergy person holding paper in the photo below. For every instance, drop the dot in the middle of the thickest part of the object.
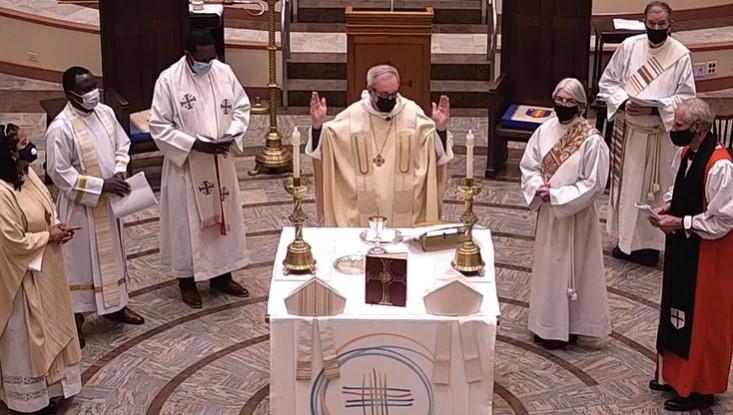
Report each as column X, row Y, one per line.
column 380, row 156
column 87, row 157
column 564, row 170
column 694, row 338
column 647, row 77
column 200, row 113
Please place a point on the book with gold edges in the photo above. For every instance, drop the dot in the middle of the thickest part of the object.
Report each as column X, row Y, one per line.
column 386, row 279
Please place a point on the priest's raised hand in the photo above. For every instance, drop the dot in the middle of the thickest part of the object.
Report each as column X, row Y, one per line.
column 441, row 113
column 318, row 110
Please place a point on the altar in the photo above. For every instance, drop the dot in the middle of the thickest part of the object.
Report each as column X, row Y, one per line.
column 380, row 359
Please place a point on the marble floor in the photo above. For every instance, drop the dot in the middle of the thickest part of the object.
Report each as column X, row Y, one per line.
column 216, row 360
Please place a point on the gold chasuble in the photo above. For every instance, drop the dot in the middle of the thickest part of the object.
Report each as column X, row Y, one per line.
column 373, row 165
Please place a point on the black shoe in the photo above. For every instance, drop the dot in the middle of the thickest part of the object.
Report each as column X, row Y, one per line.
column 691, row 403
column 646, row 257
column 573, row 339
column 550, row 344
column 79, row 320
column 619, row 254
column 656, row 386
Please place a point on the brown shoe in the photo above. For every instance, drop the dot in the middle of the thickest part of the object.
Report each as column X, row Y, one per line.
column 190, row 295
column 225, row 284
column 79, row 319
column 125, row 316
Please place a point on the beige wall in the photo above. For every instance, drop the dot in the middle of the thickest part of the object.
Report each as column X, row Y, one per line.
column 57, row 48
column 637, row 6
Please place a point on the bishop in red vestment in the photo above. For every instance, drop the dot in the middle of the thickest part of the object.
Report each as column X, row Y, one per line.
column 695, row 333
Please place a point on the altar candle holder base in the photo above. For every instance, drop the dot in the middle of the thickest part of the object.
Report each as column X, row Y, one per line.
column 299, row 257
column 467, row 259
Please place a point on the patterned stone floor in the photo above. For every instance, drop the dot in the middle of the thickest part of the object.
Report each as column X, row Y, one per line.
column 215, row 360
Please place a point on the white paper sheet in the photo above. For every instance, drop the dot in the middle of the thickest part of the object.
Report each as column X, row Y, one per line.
column 36, row 264
column 625, row 24
column 647, row 209
column 141, row 197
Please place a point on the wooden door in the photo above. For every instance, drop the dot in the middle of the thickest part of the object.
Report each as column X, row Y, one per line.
column 408, row 57
column 544, row 41
column 139, row 39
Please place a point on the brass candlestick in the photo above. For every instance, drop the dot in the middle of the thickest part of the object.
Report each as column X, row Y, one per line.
column 299, row 259
column 274, row 158
column 468, row 255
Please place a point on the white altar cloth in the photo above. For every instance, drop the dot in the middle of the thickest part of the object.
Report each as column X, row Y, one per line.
column 386, row 354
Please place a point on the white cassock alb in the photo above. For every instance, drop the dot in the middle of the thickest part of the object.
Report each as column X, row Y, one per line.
column 568, row 292
column 717, row 219
column 202, row 233
column 643, row 161
column 79, row 195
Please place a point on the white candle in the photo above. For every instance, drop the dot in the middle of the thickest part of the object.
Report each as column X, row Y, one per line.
column 470, row 141
column 295, row 142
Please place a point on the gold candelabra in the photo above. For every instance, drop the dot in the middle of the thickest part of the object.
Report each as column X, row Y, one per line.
column 299, row 258
column 468, row 255
column 274, row 158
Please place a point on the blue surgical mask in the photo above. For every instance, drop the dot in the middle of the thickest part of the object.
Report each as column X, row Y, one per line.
column 201, row 68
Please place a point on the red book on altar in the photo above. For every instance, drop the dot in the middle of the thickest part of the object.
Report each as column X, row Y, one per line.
column 386, row 279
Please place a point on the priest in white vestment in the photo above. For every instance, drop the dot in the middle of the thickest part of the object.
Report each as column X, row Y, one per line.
column 647, row 77
column 381, row 156
column 564, row 170
column 39, row 351
column 87, row 157
column 199, row 116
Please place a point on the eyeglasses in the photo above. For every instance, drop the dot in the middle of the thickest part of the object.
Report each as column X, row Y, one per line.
column 386, row 95
column 565, row 102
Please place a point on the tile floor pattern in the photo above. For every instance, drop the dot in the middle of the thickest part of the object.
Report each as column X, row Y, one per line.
column 216, row 360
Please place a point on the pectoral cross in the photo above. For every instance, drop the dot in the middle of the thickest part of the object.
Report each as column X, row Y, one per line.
column 188, row 101
column 378, row 160
column 206, row 187
column 224, row 194
column 226, row 106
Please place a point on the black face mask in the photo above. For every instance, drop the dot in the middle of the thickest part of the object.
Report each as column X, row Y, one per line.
column 565, row 114
column 657, row 36
column 386, row 104
column 28, row 153
column 682, row 138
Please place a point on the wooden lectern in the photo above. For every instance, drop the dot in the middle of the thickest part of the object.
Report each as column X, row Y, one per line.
column 398, row 38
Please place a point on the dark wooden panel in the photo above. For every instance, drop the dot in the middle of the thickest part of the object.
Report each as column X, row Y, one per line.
column 139, row 39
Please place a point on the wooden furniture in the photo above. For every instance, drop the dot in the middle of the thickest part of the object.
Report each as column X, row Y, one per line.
column 540, row 46
column 400, row 38
column 140, row 38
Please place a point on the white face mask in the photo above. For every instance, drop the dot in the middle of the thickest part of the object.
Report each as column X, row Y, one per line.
column 89, row 100
column 202, row 68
